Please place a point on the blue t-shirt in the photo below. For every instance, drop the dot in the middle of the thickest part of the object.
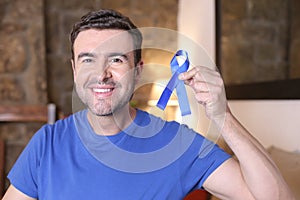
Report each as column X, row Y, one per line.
column 150, row 159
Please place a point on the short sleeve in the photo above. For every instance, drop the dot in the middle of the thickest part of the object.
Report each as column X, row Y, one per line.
column 201, row 159
column 24, row 173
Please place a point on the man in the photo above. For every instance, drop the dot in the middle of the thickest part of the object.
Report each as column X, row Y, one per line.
column 113, row 151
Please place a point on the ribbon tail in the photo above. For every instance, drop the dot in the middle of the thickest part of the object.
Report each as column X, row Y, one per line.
column 164, row 98
column 183, row 99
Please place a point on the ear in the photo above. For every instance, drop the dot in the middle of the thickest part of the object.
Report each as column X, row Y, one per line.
column 74, row 70
column 138, row 70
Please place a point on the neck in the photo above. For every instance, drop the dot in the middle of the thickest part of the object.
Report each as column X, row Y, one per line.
column 113, row 124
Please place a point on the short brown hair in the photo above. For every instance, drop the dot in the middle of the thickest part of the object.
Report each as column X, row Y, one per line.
column 108, row 19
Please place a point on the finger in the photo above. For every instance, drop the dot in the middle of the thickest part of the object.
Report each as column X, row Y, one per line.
column 205, row 83
column 203, row 97
column 199, row 73
column 189, row 74
column 200, row 86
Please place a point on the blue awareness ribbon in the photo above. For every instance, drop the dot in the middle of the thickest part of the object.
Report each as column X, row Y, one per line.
column 178, row 84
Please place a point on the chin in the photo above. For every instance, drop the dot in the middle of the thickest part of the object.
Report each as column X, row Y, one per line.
column 101, row 112
column 97, row 110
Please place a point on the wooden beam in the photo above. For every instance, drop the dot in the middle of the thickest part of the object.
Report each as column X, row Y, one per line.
column 23, row 113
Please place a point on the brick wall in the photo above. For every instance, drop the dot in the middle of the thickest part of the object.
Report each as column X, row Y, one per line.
column 22, row 67
column 22, row 53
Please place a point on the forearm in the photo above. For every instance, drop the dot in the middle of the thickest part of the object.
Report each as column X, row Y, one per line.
column 259, row 171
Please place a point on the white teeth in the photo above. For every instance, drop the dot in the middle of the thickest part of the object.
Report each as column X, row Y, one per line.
column 99, row 90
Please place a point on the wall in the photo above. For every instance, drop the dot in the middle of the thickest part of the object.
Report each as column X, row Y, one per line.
column 22, row 53
column 22, row 68
column 260, row 40
column 202, row 30
column 272, row 122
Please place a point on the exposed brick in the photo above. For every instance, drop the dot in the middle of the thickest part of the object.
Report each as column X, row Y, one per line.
column 120, row 5
column 12, row 53
column 53, row 44
column 73, row 4
column 67, row 21
column 22, row 70
column 268, row 10
column 234, row 10
column 19, row 10
column 61, row 80
column 11, row 90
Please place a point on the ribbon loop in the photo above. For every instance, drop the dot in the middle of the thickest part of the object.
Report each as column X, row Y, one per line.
column 174, row 82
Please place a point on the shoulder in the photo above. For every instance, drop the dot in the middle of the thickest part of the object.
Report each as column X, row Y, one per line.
column 52, row 138
column 53, row 132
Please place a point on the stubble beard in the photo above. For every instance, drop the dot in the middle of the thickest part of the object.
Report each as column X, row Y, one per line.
column 105, row 107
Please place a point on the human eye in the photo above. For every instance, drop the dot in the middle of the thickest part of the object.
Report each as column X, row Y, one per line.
column 117, row 60
column 87, row 60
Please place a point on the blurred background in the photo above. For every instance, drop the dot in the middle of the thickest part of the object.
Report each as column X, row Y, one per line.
column 254, row 43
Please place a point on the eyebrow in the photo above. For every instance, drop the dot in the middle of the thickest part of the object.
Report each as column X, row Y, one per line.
column 86, row 54
column 92, row 55
column 113, row 54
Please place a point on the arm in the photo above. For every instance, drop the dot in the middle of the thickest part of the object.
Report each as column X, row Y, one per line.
column 12, row 193
column 253, row 175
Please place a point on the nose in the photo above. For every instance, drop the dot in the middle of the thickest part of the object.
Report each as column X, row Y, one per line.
column 105, row 74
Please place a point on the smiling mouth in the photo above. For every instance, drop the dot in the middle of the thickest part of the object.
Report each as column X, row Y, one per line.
column 102, row 90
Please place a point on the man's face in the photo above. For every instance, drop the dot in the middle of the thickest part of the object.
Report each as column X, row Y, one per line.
column 104, row 71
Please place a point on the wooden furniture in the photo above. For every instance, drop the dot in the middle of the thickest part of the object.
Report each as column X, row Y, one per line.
column 27, row 113
column 22, row 113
